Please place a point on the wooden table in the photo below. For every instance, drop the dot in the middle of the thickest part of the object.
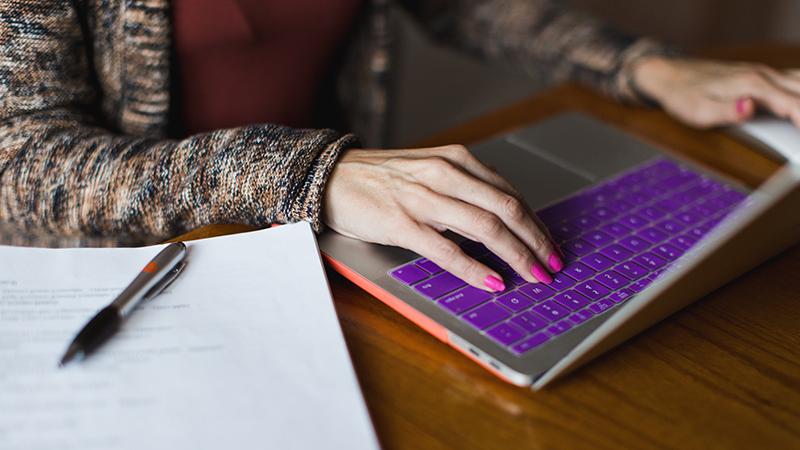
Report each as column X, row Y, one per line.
column 723, row 373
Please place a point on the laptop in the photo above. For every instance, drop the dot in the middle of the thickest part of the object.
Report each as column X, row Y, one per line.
column 644, row 232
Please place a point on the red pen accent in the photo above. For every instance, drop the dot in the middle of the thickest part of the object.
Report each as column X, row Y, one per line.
column 151, row 267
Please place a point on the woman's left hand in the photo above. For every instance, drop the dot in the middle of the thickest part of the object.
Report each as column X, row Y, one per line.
column 705, row 93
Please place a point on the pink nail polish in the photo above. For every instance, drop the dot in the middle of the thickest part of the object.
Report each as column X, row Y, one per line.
column 741, row 106
column 541, row 274
column 555, row 263
column 494, row 283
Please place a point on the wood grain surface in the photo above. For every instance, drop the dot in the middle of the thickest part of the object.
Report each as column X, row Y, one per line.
column 722, row 374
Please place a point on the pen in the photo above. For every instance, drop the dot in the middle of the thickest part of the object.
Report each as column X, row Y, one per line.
column 151, row 281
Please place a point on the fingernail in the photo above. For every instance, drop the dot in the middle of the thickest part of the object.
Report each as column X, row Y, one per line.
column 494, row 283
column 555, row 263
column 741, row 106
column 541, row 274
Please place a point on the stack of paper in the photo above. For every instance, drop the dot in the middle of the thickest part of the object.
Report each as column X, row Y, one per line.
column 243, row 351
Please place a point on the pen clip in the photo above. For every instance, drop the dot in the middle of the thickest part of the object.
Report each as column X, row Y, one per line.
column 166, row 281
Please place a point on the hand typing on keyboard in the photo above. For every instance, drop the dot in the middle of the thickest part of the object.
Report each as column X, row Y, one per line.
column 618, row 237
column 407, row 197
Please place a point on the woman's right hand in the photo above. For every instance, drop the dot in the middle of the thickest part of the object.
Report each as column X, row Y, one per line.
column 407, row 197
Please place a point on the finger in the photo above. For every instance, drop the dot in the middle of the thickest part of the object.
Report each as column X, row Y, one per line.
column 425, row 241
column 779, row 101
column 509, row 208
column 709, row 112
column 484, row 226
column 783, row 79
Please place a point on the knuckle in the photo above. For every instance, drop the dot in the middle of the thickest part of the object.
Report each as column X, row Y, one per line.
column 512, row 208
column 457, row 150
column 540, row 241
column 520, row 257
column 752, row 78
column 438, row 165
column 446, row 251
column 488, row 224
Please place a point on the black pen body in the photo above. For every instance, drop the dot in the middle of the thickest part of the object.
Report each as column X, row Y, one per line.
column 101, row 327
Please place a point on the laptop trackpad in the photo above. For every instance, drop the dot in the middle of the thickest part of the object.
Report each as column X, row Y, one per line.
column 539, row 180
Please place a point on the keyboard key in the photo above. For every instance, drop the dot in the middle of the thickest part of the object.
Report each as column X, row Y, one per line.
column 598, row 238
column 620, row 206
column 634, row 221
column 598, row 261
column 653, row 235
column 603, row 214
column 486, row 315
column 464, row 299
column 620, row 295
column 601, row 305
column 612, row 279
column 652, row 212
column 640, row 285
column 409, row 274
column 474, row 249
column 634, row 244
column 493, row 261
column 638, row 198
column 439, row 285
column 616, row 229
column 689, row 217
column 513, row 277
column 559, row 328
column 537, row 291
column 581, row 316
column 529, row 321
column 685, row 242
column 429, row 266
column 697, row 233
column 577, row 247
column 650, row 260
column 667, row 251
column 562, row 281
column 506, row 333
column 670, row 226
column 669, row 205
column 592, row 289
column 565, row 231
column 616, row 252
column 632, row 270
column 530, row 343
column 584, row 222
column 578, row 271
column 515, row 301
column 551, row 310
column 571, row 300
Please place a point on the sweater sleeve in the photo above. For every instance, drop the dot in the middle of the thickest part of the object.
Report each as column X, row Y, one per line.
column 62, row 171
column 541, row 37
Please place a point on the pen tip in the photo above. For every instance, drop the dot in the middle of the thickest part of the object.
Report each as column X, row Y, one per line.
column 69, row 355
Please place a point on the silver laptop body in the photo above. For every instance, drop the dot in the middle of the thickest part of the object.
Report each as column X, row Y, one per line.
column 548, row 162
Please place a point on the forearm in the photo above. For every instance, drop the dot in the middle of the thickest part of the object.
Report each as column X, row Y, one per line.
column 59, row 175
column 540, row 37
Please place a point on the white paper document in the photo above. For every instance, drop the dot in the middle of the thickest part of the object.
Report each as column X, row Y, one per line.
column 243, row 351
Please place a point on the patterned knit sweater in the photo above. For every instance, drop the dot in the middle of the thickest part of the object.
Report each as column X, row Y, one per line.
column 85, row 103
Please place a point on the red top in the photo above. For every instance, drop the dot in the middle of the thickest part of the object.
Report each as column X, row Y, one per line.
column 250, row 61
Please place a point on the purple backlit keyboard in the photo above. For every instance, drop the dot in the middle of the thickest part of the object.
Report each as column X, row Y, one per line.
column 617, row 237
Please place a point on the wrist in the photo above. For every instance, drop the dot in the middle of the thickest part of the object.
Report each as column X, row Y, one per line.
column 651, row 77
